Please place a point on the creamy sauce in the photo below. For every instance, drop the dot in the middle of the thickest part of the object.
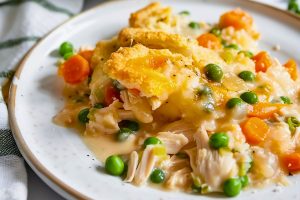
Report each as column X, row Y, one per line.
column 105, row 145
column 102, row 145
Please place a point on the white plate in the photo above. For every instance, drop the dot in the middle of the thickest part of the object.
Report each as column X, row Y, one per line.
column 58, row 155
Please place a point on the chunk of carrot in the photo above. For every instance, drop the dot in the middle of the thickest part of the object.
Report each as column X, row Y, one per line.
column 237, row 18
column 111, row 94
column 255, row 130
column 210, row 41
column 265, row 110
column 134, row 91
column 75, row 70
column 157, row 61
column 87, row 54
column 291, row 161
column 262, row 61
column 291, row 67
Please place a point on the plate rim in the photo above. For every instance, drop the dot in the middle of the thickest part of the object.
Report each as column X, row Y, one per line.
column 40, row 169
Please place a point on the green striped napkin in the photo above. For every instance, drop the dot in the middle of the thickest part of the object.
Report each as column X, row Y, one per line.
column 22, row 23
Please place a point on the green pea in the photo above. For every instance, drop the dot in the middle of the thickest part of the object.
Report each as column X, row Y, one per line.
column 233, row 102
column 98, row 105
column 157, row 176
column 123, row 134
column 68, row 55
column 244, row 181
column 65, row 47
column 185, row 12
column 232, row 187
column 194, row 25
column 249, row 97
column 196, row 189
column 219, row 140
column 247, row 76
column 292, row 122
column 151, row 141
column 286, row 100
column 248, row 54
column 114, row 165
column 232, row 46
column 83, row 116
column 204, row 92
column 223, row 42
column 216, row 31
column 293, row 6
column 132, row 125
column 213, row 72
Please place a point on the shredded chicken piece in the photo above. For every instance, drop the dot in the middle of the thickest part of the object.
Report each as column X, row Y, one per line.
column 296, row 138
column 132, row 165
column 145, row 166
column 180, row 179
column 265, row 166
column 278, row 87
column 138, row 105
column 212, row 167
column 179, row 173
column 105, row 120
column 192, row 153
column 173, row 142
column 154, row 102
column 280, row 141
column 183, row 127
column 126, row 114
column 174, row 163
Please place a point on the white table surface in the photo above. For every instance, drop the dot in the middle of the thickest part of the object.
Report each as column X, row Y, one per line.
column 37, row 189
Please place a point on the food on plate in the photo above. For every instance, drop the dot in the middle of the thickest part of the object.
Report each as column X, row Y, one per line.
column 186, row 105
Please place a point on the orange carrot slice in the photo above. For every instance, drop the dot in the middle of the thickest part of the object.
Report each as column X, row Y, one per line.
column 87, row 54
column 210, row 41
column 262, row 61
column 238, row 19
column 134, row 91
column 75, row 70
column 255, row 130
column 111, row 94
column 157, row 61
column 291, row 67
column 265, row 110
column 291, row 162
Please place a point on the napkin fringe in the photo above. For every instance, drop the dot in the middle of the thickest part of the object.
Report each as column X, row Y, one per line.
column 46, row 4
